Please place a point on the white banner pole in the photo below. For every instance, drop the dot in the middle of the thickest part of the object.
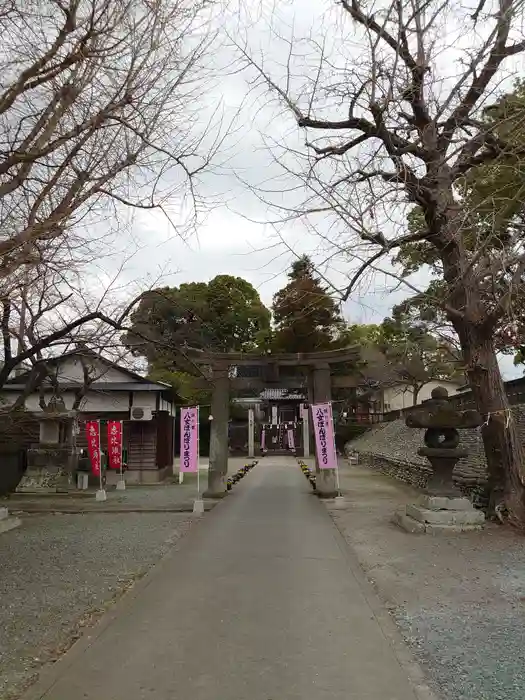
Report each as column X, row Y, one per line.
column 339, row 501
column 337, row 483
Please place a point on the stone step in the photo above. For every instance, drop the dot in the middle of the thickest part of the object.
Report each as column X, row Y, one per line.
column 8, row 522
column 444, row 529
column 445, row 517
column 408, row 524
column 446, row 503
column 405, row 522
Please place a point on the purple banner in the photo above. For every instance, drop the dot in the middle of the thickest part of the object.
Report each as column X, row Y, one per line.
column 189, row 439
column 324, row 435
column 291, row 440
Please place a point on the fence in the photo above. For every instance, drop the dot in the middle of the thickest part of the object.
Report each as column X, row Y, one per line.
column 515, row 389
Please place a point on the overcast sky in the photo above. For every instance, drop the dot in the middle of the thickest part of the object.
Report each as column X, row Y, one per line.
column 234, row 238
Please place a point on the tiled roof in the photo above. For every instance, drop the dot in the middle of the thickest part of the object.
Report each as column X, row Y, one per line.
column 281, row 395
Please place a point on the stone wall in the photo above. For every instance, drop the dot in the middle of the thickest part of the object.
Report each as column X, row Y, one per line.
column 392, row 448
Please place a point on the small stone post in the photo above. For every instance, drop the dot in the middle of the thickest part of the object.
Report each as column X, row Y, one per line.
column 443, row 508
column 48, row 463
column 251, row 433
column 220, row 405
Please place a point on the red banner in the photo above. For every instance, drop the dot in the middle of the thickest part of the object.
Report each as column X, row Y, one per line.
column 115, row 444
column 93, row 440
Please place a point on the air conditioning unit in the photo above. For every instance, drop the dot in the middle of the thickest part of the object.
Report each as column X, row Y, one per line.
column 139, row 413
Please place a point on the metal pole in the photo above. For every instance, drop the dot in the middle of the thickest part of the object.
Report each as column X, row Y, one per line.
column 337, row 484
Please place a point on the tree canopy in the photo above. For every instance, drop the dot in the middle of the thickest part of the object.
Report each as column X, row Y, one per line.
column 364, row 334
column 493, row 193
column 411, row 354
column 306, row 317
column 416, row 356
column 225, row 314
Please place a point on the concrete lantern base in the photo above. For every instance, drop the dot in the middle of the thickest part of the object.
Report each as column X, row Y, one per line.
column 440, row 514
column 8, row 522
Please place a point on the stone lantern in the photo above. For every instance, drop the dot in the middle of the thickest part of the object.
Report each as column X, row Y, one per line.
column 50, row 462
column 443, row 507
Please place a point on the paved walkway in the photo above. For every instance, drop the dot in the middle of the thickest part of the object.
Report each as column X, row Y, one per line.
column 262, row 602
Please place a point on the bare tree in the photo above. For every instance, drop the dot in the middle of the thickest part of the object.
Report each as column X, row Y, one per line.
column 393, row 116
column 98, row 109
column 43, row 315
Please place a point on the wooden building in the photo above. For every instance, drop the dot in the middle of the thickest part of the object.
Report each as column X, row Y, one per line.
column 102, row 390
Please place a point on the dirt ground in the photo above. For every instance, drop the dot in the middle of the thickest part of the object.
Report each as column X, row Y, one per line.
column 459, row 599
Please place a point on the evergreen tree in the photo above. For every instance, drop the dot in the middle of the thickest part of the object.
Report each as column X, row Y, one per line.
column 306, row 317
column 223, row 315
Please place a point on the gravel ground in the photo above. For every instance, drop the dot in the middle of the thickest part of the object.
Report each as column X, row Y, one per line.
column 59, row 573
column 458, row 599
column 165, row 495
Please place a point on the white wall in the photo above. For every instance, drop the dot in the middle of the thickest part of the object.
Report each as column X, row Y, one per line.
column 401, row 396
column 71, row 370
column 397, row 397
column 93, row 401
column 105, row 401
column 167, row 406
column 145, row 399
column 97, row 401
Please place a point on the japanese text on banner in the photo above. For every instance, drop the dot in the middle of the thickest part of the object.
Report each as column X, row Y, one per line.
column 93, row 440
column 291, row 439
column 115, row 444
column 324, row 435
column 189, row 439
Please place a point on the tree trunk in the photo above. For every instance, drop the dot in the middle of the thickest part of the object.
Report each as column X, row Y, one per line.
column 503, row 447
column 415, row 394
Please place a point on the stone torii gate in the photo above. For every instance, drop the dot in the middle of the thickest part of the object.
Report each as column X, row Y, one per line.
column 315, row 374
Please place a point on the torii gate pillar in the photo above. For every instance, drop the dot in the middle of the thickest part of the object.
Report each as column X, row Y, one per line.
column 220, row 406
column 322, row 391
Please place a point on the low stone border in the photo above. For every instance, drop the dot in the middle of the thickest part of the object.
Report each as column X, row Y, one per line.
column 409, row 472
column 105, row 508
column 309, row 473
column 416, row 475
column 240, row 474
